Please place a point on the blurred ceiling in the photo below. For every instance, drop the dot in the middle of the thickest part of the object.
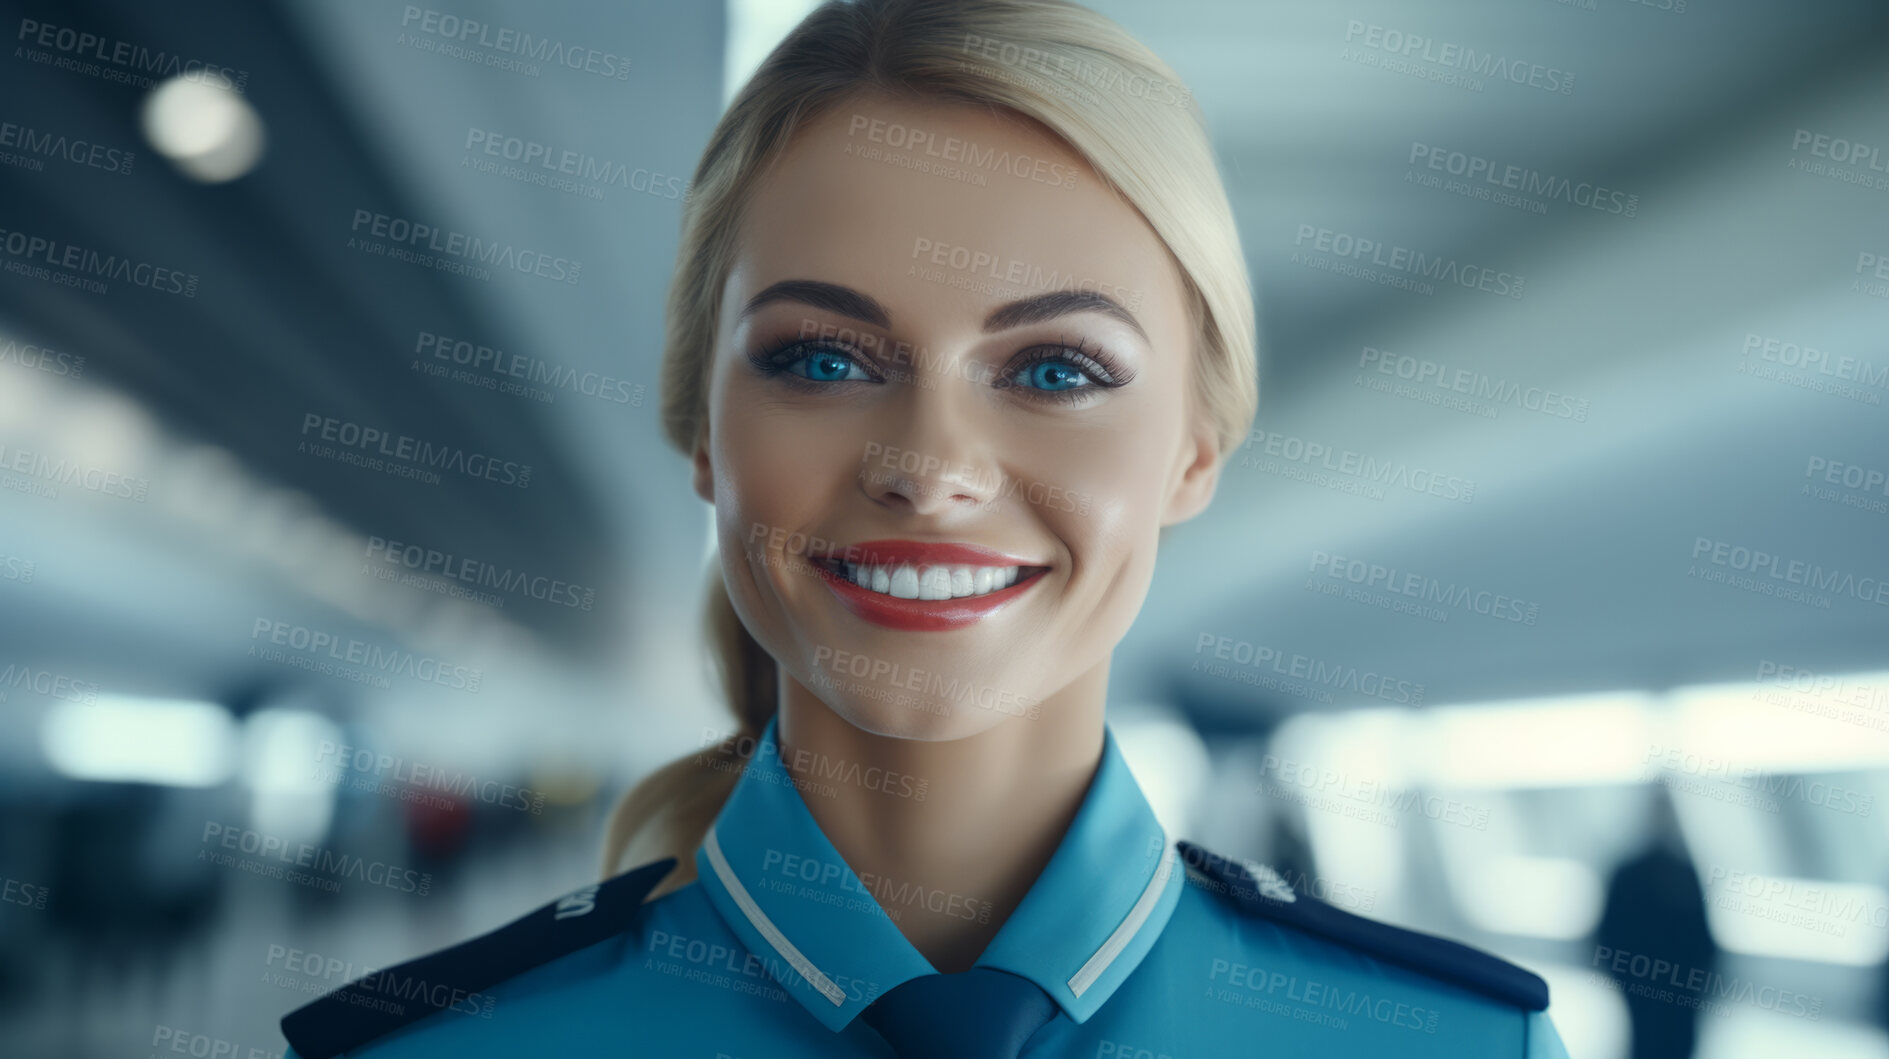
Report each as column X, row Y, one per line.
column 1643, row 317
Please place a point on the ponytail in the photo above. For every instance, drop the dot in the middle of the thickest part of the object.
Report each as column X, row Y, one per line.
column 668, row 812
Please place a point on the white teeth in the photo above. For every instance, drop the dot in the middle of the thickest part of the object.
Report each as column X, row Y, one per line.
column 906, row 581
column 936, row 583
column 960, row 581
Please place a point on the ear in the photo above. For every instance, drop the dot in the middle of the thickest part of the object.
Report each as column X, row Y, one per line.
column 704, row 470
column 1196, row 473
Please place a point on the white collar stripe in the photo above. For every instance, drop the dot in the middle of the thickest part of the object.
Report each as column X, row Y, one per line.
column 1137, row 915
column 769, row 931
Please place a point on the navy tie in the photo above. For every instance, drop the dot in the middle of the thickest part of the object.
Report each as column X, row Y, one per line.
column 982, row 1013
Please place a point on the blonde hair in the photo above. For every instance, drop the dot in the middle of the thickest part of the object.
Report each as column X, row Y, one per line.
column 1077, row 72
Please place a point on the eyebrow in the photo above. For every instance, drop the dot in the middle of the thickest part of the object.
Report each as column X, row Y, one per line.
column 861, row 306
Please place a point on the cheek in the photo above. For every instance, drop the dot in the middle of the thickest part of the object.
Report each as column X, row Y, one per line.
column 779, row 467
column 1105, row 484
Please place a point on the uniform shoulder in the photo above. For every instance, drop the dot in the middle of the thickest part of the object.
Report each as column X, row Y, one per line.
column 357, row 1013
column 1259, row 891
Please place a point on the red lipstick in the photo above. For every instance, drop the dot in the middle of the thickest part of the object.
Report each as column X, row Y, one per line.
column 922, row 615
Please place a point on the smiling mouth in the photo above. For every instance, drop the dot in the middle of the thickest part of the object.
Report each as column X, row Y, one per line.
column 939, row 582
column 925, row 586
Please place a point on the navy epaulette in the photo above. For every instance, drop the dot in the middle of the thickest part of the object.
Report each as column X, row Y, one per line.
column 359, row 1012
column 1264, row 892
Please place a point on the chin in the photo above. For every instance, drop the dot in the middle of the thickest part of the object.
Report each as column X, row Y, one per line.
column 911, row 716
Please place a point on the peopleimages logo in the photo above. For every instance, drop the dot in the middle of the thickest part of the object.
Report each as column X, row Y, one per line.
column 1401, row 267
column 734, row 968
column 16, row 568
column 807, row 763
column 172, row 1040
column 1811, row 368
column 1313, row 671
column 1848, row 690
column 432, row 561
column 1446, row 55
column 1776, row 568
column 541, row 160
column 888, row 675
column 403, row 456
column 1845, row 699
column 391, row 991
column 1856, row 483
column 150, row 65
column 1840, row 151
column 39, row 358
column 1290, row 777
column 991, row 273
column 951, row 475
column 16, row 892
column 961, row 152
column 16, row 677
column 28, row 252
column 1673, row 982
column 372, row 766
column 470, row 250
column 314, row 649
column 508, row 41
column 1475, row 385
column 1822, row 361
column 1840, row 159
column 1310, row 1000
column 278, row 859
column 1767, row 786
column 1821, row 904
column 1532, row 184
column 1353, row 465
column 34, row 145
column 1079, row 73
column 831, row 880
column 42, row 474
column 495, row 369
column 1425, row 588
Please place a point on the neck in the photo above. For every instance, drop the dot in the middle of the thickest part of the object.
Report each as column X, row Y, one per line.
column 952, row 834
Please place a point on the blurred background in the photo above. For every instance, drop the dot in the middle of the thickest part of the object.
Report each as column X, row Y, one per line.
column 1542, row 609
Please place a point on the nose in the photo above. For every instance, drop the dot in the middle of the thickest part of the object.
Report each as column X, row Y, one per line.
column 931, row 461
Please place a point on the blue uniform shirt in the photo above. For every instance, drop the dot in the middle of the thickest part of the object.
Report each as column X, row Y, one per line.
column 1151, row 949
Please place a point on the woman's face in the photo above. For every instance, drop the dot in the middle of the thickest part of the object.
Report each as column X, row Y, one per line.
column 941, row 329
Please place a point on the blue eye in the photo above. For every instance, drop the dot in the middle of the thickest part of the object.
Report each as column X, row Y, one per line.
column 825, row 365
column 811, row 365
column 1071, row 374
column 1052, row 375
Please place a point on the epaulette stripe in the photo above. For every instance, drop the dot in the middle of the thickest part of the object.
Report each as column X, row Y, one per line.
column 1439, row 957
column 356, row 1013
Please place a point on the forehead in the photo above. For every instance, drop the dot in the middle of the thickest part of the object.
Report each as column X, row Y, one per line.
column 941, row 211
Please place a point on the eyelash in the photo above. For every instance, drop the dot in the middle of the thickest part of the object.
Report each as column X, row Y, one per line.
column 1102, row 370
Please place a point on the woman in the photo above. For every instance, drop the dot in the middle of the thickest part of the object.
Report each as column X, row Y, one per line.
column 959, row 324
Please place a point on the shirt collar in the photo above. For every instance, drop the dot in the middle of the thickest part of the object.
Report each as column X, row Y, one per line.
column 1086, row 922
